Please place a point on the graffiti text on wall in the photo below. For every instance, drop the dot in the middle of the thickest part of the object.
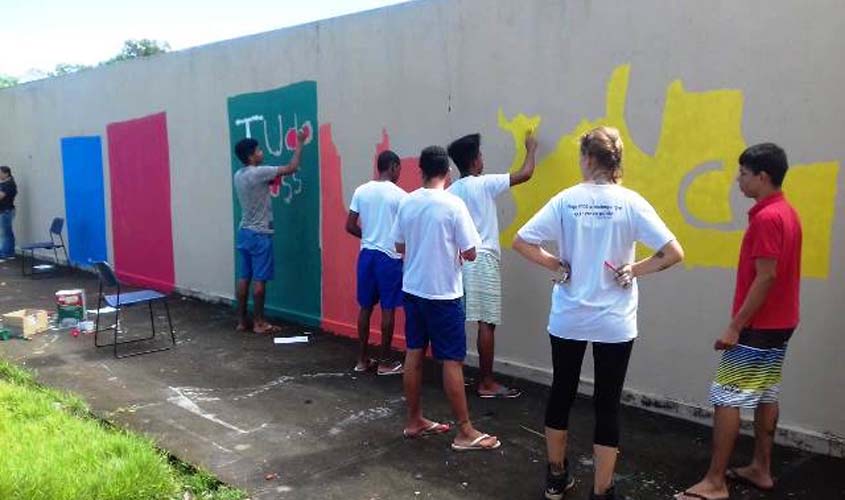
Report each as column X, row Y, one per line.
column 291, row 185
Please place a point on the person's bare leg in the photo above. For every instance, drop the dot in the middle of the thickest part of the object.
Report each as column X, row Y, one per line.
column 260, row 323
column 243, row 300
column 725, row 431
column 486, row 353
column 388, row 322
column 604, row 459
column 412, row 382
column 486, row 345
column 759, row 471
column 556, row 441
column 364, row 315
column 453, row 386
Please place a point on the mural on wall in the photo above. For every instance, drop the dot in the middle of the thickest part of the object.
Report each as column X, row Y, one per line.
column 688, row 179
column 85, row 208
column 340, row 249
column 139, row 172
column 272, row 118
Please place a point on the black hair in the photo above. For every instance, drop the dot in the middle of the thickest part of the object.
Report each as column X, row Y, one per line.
column 386, row 159
column 434, row 162
column 6, row 170
column 464, row 151
column 766, row 157
column 244, row 149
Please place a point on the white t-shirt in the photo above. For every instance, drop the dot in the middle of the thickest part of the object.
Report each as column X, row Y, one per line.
column 435, row 227
column 479, row 192
column 376, row 203
column 592, row 224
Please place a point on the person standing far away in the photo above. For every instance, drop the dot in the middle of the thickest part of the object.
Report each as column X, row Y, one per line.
column 483, row 277
column 434, row 231
column 765, row 315
column 595, row 225
column 372, row 213
column 254, row 240
column 8, row 192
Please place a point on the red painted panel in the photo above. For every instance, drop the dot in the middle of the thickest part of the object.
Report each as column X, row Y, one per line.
column 410, row 179
column 340, row 250
column 142, row 232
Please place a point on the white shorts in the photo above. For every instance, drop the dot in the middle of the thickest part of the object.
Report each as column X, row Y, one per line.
column 483, row 289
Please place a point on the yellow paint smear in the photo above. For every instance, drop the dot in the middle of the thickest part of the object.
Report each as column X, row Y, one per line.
column 700, row 129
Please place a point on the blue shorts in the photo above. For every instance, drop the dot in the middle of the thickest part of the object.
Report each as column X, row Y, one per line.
column 379, row 280
column 256, row 255
column 440, row 322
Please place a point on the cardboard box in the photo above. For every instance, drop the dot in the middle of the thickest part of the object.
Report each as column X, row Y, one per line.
column 26, row 322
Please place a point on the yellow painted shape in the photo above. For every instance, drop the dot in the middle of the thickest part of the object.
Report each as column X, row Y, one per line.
column 811, row 189
column 699, row 128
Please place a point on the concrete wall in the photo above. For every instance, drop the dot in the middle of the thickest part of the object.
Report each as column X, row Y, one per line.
column 689, row 83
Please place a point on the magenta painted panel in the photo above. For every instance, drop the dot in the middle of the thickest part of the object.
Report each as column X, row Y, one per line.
column 142, row 229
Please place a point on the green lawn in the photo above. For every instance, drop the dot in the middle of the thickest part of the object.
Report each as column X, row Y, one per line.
column 53, row 449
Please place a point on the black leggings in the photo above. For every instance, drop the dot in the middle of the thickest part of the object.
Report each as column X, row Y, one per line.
column 611, row 364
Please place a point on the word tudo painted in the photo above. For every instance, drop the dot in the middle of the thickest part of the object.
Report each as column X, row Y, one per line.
column 291, row 185
column 287, row 140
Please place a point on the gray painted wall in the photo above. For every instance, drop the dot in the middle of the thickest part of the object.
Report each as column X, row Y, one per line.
column 432, row 70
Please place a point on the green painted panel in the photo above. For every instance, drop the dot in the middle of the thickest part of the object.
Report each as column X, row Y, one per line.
column 271, row 118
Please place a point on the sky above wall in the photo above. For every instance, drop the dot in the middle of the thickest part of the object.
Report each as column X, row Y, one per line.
column 36, row 35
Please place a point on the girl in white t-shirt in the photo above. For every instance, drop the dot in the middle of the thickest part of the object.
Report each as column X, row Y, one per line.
column 595, row 225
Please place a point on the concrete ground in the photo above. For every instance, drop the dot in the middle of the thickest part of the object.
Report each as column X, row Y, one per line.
column 293, row 421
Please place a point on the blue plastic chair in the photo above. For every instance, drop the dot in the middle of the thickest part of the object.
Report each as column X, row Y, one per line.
column 55, row 233
column 120, row 300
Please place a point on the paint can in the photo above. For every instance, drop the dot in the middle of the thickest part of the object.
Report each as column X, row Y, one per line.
column 70, row 306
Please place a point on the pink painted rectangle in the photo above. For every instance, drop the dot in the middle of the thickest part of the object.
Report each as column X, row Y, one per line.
column 142, row 227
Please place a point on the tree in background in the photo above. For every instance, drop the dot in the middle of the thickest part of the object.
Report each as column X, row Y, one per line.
column 132, row 49
column 7, row 81
column 66, row 69
column 139, row 48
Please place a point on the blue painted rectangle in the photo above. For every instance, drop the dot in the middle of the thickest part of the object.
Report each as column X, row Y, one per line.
column 85, row 208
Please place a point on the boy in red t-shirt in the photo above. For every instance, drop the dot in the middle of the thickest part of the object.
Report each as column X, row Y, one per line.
column 765, row 313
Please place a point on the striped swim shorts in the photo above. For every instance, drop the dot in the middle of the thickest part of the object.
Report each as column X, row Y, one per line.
column 483, row 289
column 750, row 373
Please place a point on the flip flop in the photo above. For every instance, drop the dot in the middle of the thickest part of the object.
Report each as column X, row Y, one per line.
column 503, row 392
column 371, row 363
column 268, row 330
column 736, row 477
column 432, row 429
column 475, row 444
column 395, row 369
column 688, row 494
